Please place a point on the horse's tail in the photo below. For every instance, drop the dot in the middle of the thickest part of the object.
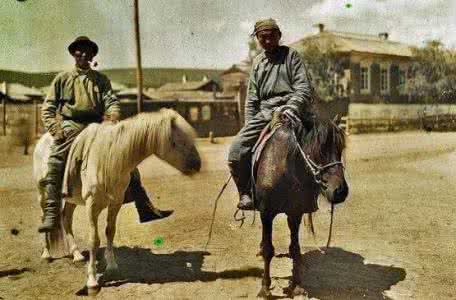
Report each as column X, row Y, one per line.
column 56, row 238
column 310, row 225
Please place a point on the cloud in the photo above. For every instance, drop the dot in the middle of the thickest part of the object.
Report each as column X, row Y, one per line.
column 182, row 33
column 246, row 25
column 408, row 21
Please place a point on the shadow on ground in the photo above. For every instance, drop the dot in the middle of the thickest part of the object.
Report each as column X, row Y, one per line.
column 340, row 274
column 140, row 265
column 14, row 272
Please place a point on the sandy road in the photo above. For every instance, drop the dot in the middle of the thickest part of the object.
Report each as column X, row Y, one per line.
column 394, row 237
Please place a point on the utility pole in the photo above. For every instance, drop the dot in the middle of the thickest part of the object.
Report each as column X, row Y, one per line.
column 139, row 74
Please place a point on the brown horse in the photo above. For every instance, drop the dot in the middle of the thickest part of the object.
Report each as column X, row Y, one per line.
column 289, row 178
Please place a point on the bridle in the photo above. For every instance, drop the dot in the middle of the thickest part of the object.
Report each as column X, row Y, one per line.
column 315, row 169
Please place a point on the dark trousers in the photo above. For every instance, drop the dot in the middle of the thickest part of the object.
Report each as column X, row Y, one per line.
column 241, row 148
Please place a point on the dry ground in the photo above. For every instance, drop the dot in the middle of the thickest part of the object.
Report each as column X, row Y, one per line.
column 394, row 237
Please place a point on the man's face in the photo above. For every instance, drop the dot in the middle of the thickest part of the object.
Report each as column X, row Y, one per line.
column 83, row 55
column 269, row 39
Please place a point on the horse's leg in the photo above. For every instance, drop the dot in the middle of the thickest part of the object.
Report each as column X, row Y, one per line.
column 94, row 242
column 68, row 211
column 113, row 210
column 296, row 283
column 267, row 251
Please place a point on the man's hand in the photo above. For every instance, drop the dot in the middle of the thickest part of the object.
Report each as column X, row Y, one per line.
column 291, row 113
column 111, row 118
column 58, row 134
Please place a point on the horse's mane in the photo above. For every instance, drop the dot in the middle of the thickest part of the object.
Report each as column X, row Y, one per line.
column 151, row 130
column 322, row 136
column 114, row 148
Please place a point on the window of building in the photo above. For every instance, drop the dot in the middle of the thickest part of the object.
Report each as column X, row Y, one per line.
column 365, row 78
column 402, row 77
column 226, row 111
column 194, row 111
column 206, row 112
column 384, row 79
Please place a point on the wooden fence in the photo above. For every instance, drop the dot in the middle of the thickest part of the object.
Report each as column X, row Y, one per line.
column 11, row 111
column 442, row 122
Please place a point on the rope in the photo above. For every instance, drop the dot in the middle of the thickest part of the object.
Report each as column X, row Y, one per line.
column 328, row 244
column 215, row 209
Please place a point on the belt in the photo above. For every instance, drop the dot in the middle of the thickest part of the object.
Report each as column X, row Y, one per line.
column 282, row 94
column 84, row 120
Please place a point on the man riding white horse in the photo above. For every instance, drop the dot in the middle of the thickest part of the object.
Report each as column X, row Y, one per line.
column 82, row 96
column 278, row 80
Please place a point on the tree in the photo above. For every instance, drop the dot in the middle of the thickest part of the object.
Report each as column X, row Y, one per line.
column 323, row 65
column 432, row 75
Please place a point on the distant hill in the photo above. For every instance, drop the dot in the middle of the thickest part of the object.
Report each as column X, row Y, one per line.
column 156, row 77
column 153, row 77
column 37, row 80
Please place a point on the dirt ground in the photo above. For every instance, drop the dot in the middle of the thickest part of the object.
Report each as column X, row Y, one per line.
column 394, row 237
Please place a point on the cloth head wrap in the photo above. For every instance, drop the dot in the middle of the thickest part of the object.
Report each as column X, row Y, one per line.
column 267, row 24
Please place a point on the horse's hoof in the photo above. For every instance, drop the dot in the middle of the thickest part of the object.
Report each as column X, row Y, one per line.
column 93, row 290
column 78, row 257
column 47, row 258
column 264, row 293
column 45, row 255
column 295, row 291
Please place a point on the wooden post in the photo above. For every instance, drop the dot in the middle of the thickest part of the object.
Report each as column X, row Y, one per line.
column 139, row 75
column 5, row 96
column 36, row 119
column 4, row 115
column 242, row 97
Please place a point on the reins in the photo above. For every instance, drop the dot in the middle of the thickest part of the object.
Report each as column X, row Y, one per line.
column 315, row 169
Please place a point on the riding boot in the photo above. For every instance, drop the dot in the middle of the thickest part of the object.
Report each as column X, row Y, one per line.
column 241, row 176
column 146, row 210
column 52, row 205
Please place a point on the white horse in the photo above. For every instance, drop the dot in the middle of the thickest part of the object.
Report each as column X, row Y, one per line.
column 99, row 165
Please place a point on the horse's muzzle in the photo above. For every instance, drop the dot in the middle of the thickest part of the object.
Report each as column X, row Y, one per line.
column 193, row 165
column 340, row 194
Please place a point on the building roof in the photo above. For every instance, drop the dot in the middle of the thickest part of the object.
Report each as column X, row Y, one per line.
column 19, row 92
column 156, row 77
column 132, row 93
column 116, row 86
column 234, row 69
column 185, row 86
column 181, row 95
column 355, row 42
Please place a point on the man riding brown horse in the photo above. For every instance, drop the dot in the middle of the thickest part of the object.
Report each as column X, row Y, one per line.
column 81, row 97
column 278, row 80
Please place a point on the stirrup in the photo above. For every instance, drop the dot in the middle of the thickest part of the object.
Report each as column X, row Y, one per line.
column 246, row 206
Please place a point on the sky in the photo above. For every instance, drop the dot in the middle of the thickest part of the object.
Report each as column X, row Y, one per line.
column 34, row 34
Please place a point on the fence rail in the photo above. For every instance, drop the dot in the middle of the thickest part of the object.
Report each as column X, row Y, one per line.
column 11, row 112
column 442, row 122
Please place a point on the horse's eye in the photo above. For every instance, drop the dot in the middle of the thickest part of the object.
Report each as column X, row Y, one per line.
column 173, row 144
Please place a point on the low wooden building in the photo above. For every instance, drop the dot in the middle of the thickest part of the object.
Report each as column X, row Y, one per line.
column 233, row 79
column 374, row 67
column 20, row 102
column 221, row 117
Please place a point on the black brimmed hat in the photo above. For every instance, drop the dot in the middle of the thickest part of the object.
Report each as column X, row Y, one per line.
column 81, row 41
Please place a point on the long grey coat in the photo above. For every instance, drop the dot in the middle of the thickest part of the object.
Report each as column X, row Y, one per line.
column 275, row 80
